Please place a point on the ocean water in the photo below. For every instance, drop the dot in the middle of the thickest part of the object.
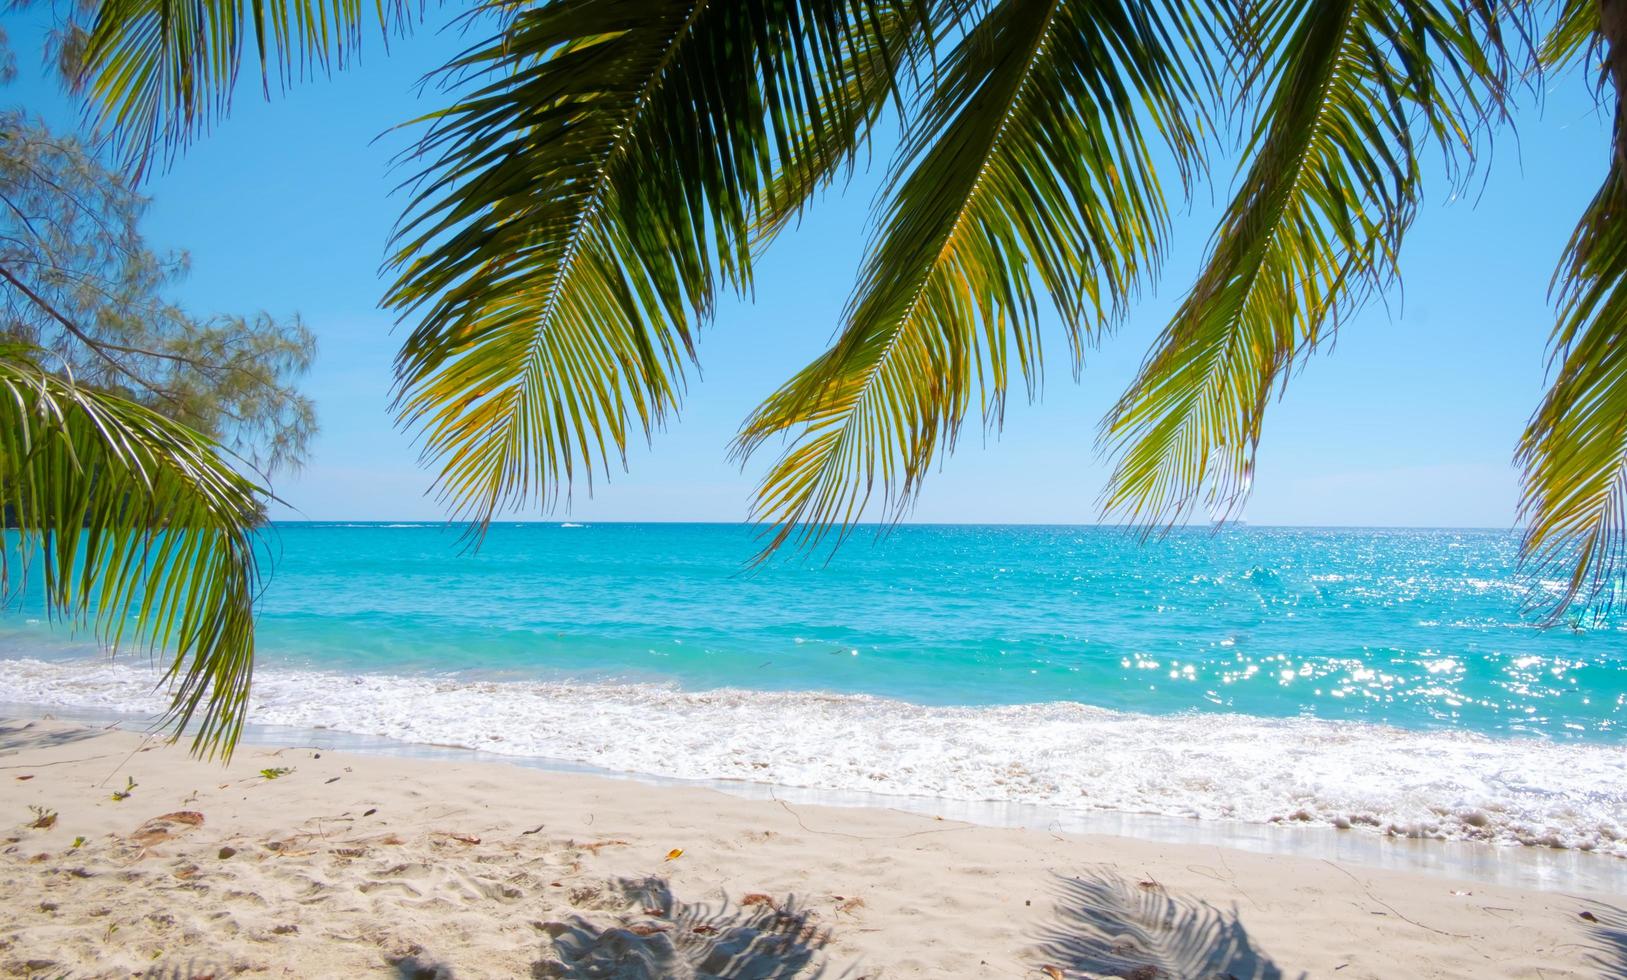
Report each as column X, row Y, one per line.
column 1389, row 681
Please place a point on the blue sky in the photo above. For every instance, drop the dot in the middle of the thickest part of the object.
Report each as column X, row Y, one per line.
column 1411, row 419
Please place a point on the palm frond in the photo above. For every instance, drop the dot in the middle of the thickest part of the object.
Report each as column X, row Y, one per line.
column 610, row 163
column 1029, row 170
column 1575, row 33
column 156, row 73
column 1314, row 228
column 138, row 529
column 1574, row 450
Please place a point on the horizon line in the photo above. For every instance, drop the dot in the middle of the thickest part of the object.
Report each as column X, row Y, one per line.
column 1212, row 526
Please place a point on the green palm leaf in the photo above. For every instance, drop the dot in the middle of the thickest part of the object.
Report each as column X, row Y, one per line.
column 612, row 162
column 1574, row 33
column 1574, row 450
column 158, row 72
column 1030, row 165
column 1315, row 226
column 139, row 529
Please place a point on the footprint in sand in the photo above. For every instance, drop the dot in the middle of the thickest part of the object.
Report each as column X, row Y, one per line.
column 413, row 870
column 398, row 887
column 474, row 888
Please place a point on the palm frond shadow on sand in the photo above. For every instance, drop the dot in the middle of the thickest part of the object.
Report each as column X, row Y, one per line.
column 1109, row 927
column 687, row 941
column 17, row 735
column 1609, row 952
column 192, row 969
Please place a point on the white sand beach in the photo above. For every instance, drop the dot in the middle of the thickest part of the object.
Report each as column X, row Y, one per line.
column 342, row 865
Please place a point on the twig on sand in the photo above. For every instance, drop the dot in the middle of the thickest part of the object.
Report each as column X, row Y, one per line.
column 838, row 833
column 1369, row 892
column 139, row 746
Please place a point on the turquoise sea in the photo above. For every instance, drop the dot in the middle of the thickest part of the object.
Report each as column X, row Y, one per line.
column 1391, row 680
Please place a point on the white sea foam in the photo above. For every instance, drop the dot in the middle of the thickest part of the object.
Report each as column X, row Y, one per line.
column 1379, row 779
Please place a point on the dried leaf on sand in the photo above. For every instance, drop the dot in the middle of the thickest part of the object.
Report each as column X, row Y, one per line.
column 166, row 826
column 595, row 847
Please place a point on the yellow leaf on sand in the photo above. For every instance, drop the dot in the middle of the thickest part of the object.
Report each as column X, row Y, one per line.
column 675, row 854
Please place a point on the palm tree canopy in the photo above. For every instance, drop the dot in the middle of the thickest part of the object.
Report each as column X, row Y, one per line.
column 607, row 165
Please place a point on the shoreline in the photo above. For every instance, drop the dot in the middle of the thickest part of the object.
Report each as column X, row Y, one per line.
column 1512, row 865
column 331, row 863
column 1058, row 756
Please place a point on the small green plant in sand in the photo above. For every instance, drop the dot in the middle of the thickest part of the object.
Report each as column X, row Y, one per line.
column 78, row 842
column 120, row 795
column 275, row 772
column 44, row 819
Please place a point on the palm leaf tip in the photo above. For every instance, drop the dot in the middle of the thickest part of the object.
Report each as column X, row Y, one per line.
column 158, row 73
column 1574, row 449
column 606, row 165
column 1573, row 452
column 1329, row 187
column 140, row 531
column 1027, row 174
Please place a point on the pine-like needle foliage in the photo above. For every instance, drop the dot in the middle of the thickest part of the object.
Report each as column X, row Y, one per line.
column 608, row 165
column 1028, row 174
column 132, row 524
column 79, row 279
column 1356, row 89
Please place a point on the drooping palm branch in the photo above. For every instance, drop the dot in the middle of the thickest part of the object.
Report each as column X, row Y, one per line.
column 1356, row 88
column 157, row 73
column 1028, row 170
column 614, row 162
column 1574, row 34
column 1574, row 450
column 139, row 530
